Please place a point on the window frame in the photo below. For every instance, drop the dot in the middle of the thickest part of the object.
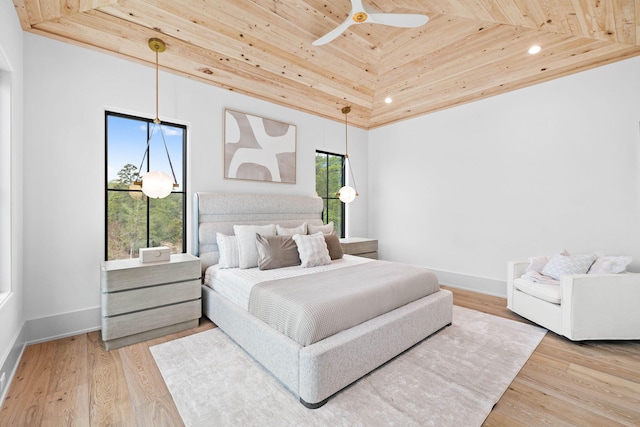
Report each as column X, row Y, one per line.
column 325, row 214
column 149, row 201
column 6, row 168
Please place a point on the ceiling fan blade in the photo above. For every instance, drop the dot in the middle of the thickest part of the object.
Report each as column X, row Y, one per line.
column 356, row 6
column 333, row 33
column 404, row 20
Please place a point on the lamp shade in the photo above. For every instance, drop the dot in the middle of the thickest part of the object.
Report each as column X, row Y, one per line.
column 156, row 184
column 347, row 194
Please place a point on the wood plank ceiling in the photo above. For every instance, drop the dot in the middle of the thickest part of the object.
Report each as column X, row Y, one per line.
column 469, row 49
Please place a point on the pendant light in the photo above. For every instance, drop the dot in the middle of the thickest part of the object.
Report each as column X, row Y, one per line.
column 157, row 184
column 347, row 193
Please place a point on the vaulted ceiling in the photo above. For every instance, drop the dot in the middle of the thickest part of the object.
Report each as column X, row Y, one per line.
column 469, row 49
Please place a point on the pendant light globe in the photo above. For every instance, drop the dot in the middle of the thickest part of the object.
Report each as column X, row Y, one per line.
column 156, row 184
column 347, row 194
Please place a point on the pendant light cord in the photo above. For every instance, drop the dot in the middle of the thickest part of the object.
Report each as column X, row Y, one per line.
column 157, row 119
column 347, row 163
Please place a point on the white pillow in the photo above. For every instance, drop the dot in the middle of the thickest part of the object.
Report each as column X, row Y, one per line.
column 282, row 231
column 567, row 264
column 228, row 249
column 312, row 249
column 247, row 249
column 610, row 264
column 537, row 263
column 325, row 229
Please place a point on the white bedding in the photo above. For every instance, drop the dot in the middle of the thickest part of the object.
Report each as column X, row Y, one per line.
column 235, row 284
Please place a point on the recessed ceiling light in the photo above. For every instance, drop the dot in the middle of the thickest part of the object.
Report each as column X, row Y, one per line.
column 534, row 49
column 388, row 100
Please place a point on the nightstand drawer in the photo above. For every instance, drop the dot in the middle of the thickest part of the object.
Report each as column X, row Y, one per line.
column 141, row 321
column 131, row 273
column 115, row 303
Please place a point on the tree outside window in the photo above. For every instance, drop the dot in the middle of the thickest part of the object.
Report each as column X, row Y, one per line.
column 329, row 179
column 133, row 220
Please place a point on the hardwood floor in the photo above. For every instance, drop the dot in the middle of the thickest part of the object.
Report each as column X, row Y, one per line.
column 74, row 382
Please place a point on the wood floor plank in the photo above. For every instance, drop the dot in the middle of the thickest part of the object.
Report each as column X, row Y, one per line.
column 69, row 368
column 74, row 381
column 25, row 401
column 63, row 407
column 160, row 412
column 144, row 381
column 68, row 385
column 110, row 403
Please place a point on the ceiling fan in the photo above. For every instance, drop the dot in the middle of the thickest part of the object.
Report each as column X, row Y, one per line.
column 359, row 15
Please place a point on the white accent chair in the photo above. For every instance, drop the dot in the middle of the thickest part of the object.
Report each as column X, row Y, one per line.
column 582, row 307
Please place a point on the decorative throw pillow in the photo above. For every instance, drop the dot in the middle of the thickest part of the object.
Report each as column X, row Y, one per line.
column 610, row 264
column 312, row 249
column 247, row 249
column 537, row 263
column 333, row 245
column 276, row 252
column 325, row 229
column 228, row 249
column 559, row 265
column 282, row 231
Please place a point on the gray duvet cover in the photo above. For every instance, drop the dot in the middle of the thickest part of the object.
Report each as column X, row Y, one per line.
column 310, row 308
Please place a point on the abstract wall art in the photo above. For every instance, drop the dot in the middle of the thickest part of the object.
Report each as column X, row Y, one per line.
column 258, row 149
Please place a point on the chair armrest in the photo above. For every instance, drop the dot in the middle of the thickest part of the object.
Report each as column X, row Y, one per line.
column 601, row 306
column 515, row 269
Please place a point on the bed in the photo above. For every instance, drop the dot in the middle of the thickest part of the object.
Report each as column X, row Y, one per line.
column 315, row 371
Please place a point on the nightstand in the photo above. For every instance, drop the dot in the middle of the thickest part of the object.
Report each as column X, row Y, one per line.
column 141, row 301
column 360, row 246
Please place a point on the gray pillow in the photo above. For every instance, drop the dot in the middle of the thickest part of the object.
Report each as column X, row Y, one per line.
column 334, row 246
column 276, row 252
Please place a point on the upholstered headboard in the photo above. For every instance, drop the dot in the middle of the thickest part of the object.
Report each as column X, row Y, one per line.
column 219, row 212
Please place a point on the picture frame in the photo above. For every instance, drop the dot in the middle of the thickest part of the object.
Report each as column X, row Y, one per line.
column 258, row 148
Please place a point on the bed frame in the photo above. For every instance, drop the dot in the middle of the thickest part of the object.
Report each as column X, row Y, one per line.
column 315, row 372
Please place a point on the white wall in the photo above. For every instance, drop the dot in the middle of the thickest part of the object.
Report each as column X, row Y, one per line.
column 526, row 173
column 11, row 138
column 67, row 91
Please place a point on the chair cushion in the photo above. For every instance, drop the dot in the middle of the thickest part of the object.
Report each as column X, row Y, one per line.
column 546, row 292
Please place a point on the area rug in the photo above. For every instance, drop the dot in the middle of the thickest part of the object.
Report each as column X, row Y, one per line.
column 453, row 378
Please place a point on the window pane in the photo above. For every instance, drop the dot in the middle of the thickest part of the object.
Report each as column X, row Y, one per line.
column 127, row 142
column 166, row 222
column 335, row 214
column 126, row 224
column 321, row 174
column 335, row 175
column 158, row 159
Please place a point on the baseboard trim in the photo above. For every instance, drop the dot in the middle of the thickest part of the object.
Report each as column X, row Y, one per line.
column 483, row 285
column 62, row 325
column 10, row 365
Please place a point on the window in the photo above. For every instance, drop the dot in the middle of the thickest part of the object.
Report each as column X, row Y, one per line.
column 133, row 220
column 329, row 180
column 5, row 180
